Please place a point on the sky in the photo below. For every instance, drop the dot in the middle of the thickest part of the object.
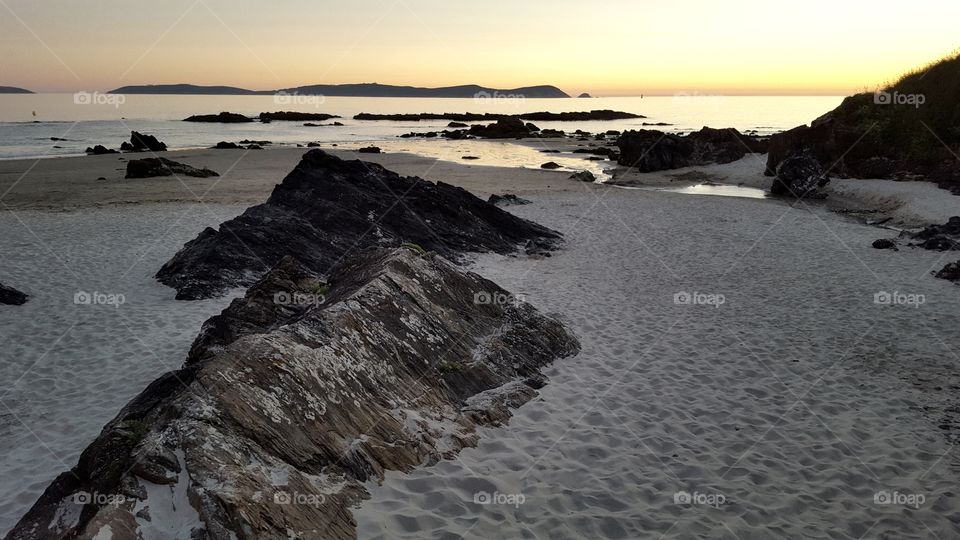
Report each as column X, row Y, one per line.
column 605, row 47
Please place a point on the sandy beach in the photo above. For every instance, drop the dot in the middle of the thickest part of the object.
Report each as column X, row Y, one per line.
column 792, row 401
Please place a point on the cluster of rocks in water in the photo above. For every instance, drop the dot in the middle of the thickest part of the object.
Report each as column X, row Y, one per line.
column 327, row 207
column 652, row 150
column 265, row 117
column 138, row 143
column 12, row 297
column 600, row 115
column 278, row 396
column 155, row 167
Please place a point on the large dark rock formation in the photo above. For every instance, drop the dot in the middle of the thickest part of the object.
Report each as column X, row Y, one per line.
column 907, row 131
column 153, row 167
column 12, row 297
column 505, row 128
column 143, row 143
column 299, row 394
column 944, row 237
column 651, row 150
column 328, row 207
column 295, row 116
column 222, row 118
column 800, row 176
column 583, row 116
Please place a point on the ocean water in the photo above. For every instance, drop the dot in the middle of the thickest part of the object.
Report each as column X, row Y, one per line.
column 29, row 122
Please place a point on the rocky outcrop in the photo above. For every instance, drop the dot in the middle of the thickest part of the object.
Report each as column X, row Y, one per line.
column 551, row 166
column 100, row 150
column 944, row 237
column 651, row 150
column 143, row 143
column 298, row 395
column 369, row 150
column 328, row 207
column 950, row 272
column 222, row 118
column 293, row 116
column 800, row 176
column 12, row 297
column 154, row 167
column 584, row 176
column 506, row 128
column 583, row 116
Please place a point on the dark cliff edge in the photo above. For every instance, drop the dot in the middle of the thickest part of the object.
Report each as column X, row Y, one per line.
column 327, row 208
column 298, row 394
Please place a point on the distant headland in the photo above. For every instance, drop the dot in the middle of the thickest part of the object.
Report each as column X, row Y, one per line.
column 352, row 90
column 13, row 90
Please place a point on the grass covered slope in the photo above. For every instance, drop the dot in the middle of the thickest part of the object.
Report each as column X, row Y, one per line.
column 909, row 129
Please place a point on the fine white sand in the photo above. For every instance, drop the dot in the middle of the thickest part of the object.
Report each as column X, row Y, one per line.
column 67, row 369
column 795, row 402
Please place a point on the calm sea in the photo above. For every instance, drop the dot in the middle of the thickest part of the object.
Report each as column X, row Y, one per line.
column 29, row 122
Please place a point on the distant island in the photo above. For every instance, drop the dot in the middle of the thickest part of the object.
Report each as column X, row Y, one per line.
column 13, row 90
column 352, row 90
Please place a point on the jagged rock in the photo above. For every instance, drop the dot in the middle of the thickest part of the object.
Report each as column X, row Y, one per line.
column 12, row 297
column 885, row 244
column 327, row 207
column 950, row 272
column 153, row 167
column 800, row 176
column 285, row 409
column 292, row 116
column 313, row 145
column 222, row 118
column 507, row 200
column 552, row 133
column 457, row 125
column 584, row 176
column 100, row 150
column 505, row 128
column 651, row 150
column 222, row 145
column 940, row 237
column 532, row 127
column 143, row 143
column 369, row 150
column 551, row 165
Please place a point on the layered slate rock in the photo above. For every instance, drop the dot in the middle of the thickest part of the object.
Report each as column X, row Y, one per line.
column 155, row 167
column 12, row 297
column 291, row 401
column 328, row 207
column 651, row 150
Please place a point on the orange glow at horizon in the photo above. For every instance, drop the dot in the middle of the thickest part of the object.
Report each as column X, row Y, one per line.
column 619, row 47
